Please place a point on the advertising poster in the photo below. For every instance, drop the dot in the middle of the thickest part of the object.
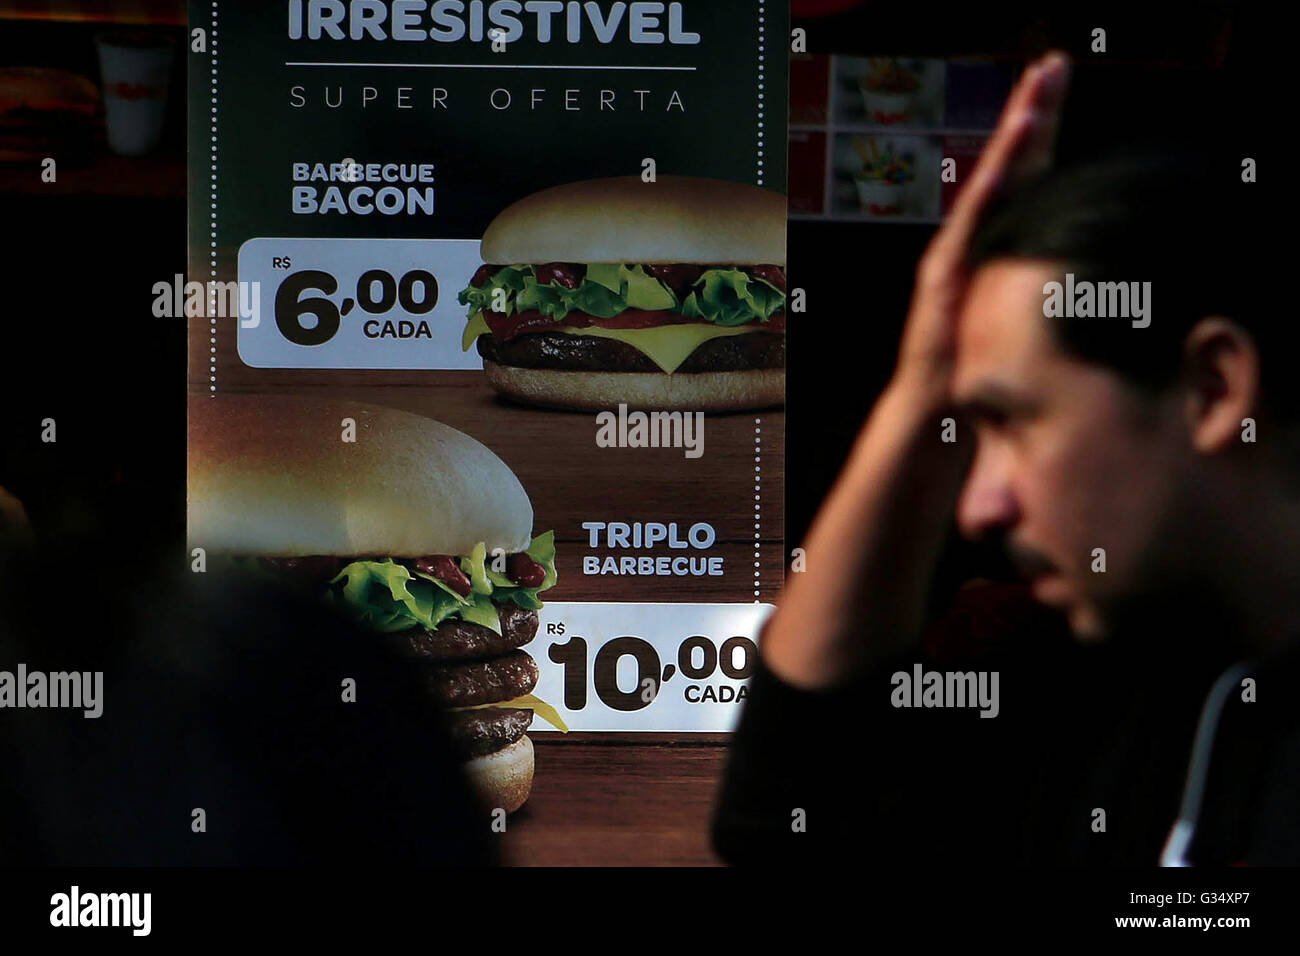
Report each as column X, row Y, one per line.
column 407, row 465
column 486, row 308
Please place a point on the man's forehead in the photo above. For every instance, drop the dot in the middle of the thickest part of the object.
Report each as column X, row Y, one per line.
column 1002, row 335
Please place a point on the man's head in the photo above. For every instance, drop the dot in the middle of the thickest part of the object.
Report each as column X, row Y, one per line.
column 1110, row 449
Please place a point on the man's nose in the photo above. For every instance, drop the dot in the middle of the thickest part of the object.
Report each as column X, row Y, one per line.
column 987, row 502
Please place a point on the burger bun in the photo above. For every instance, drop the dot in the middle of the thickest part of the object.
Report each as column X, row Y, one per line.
column 503, row 779
column 624, row 219
column 595, row 391
column 271, row 475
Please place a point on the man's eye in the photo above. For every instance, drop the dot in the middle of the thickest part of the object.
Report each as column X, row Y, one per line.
column 1004, row 426
column 995, row 420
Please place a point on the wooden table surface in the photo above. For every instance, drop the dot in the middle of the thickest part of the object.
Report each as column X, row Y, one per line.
column 612, row 804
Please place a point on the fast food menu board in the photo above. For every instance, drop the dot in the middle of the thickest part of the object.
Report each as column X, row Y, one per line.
column 559, row 229
column 869, row 133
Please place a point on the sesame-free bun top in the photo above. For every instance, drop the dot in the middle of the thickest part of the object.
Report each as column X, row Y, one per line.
column 271, row 475
column 623, row 219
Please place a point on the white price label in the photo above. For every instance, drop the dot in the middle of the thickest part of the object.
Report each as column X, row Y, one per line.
column 356, row 303
column 646, row 667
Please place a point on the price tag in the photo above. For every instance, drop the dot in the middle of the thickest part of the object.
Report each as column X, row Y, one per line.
column 356, row 303
column 646, row 667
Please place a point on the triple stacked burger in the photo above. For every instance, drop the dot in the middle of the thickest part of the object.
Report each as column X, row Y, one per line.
column 413, row 529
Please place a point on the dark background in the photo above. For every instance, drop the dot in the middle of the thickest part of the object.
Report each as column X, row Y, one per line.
column 1193, row 74
column 81, row 345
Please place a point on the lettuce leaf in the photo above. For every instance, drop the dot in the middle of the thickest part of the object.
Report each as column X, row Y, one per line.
column 509, row 278
column 555, row 301
column 632, row 285
column 724, row 296
column 482, row 611
column 541, row 550
column 475, row 570
column 730, row 297
column 387, row 596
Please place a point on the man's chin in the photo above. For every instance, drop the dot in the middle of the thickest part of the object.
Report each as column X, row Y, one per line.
column 1086, row 622
column 1085, row 618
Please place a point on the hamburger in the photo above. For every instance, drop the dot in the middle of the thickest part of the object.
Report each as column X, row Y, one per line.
column 46, row 112
column 663, row 295
column 415, row 531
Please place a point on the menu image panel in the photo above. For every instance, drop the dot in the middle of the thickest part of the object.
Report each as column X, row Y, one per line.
column 560, row 235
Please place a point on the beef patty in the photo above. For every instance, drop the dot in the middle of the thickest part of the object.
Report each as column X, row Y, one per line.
column 487, row 729
column 467, row 683
column 457, row 639
column 590, row 353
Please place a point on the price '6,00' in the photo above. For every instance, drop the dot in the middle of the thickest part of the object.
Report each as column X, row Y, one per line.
column 572, row 654
column 377, row 292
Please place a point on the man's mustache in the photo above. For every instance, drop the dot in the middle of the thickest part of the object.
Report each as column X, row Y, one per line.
column 1027, row 561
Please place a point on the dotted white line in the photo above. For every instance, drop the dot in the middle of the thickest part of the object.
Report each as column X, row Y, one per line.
column 212, row 291
column 758, row 422
column 758, row 503
column 761, row 76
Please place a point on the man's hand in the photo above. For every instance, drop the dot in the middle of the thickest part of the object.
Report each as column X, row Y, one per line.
column 872, row 550
column 1020, row 148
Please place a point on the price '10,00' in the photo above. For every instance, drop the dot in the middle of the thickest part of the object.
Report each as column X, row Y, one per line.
column 572, row 654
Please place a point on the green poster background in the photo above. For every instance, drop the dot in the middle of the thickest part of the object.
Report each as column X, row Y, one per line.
column 485, row 158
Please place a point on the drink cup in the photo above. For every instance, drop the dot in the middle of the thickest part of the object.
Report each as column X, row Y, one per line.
column 135, row 67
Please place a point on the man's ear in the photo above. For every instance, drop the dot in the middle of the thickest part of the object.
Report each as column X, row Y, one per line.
column 14, row 528
column 1221, row 367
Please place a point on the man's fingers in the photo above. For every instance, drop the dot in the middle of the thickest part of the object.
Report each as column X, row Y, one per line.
column 1036, row 153
column 978, row 192
column 1021, row 145
column 1020, row 95
column 1021, row 100
column 1037, row 96
column 992, row 164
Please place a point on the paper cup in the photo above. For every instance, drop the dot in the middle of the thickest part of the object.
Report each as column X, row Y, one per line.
column 135, row 67
column 880, row 198
column 887, row 109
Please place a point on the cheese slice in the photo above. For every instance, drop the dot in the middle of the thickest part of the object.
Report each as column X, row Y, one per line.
column 668, row 346
column 477, row 326
column 527, row 702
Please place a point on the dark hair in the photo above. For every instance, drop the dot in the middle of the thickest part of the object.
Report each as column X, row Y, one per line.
column 1187, row 224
